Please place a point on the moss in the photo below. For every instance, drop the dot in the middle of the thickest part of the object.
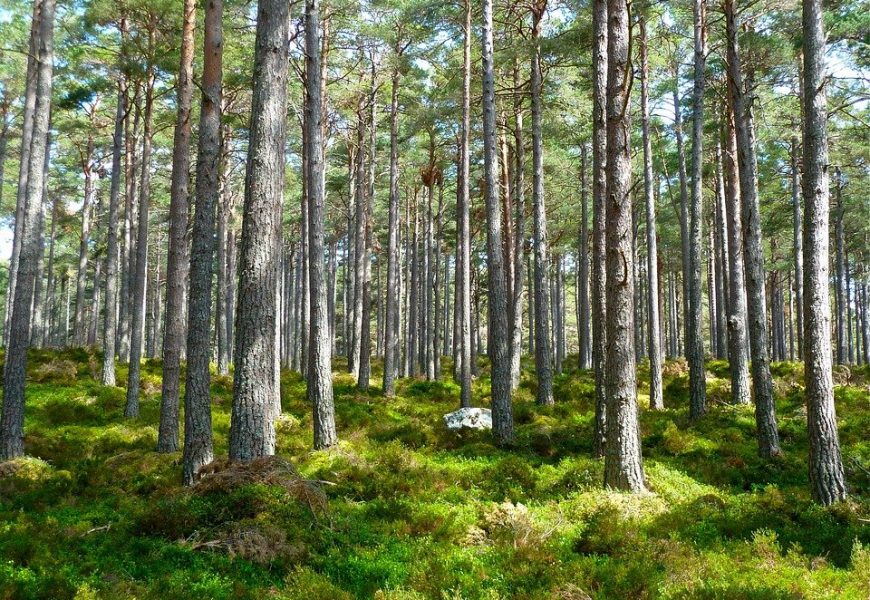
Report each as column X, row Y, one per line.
column 402, row 509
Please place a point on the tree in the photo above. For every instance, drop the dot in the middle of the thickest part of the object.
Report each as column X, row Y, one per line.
column 15, row 367
column 197, row 397
column 320, row 358
column 656, row 400
column 543, row 366
column 252, row 427
column 694, row 318
column 599, row 219
column 502, row 411
column 765, row 410
column 177, row 267
column 623, row 469
column 827, row 481
column 112, row 260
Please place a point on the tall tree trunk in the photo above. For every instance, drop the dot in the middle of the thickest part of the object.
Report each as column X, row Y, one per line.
column 543, row 366
column 177, row 261
column 15, row 367
column 623, row 468
column 765, row 409
column 502, row 410
column 694, row 317
column 127, row 257
column 320, row 359
column 840, row 287
column 111, row 317
column 827, row 481
column 519, row 198
column 252, row 427
column 89, row 168
column 137, row 321
column 359, row 240
column 738, row 351
column 798, row 246
column 464, row 267
column 27, row 126
column 599, row 204
column 197, row 397
column 656, row 400
column 585, row 349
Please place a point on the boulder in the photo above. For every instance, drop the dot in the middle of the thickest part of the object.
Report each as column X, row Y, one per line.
column 469, row 418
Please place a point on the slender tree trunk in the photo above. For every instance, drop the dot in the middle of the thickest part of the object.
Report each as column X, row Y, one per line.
column 543, row 366
column 197, row 397
column 840, row 288
column 623, row 468
column 599, row 204
column 656, row 400
column 111, row 317
column 320, row 360
column 90, row 195
column 694, row 317
column 131, row 128
column 464, row 270
column 738, row 350
column 502, row 411
column 15, row 367
column 827, row 481
column 519, row 199
column 252, row 427
column 765, row 409
column 27, row 126
column 138, row 283
column 585, row 348
column 177, row 261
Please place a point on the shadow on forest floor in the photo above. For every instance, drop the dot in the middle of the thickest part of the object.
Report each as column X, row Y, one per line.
column 415, row 511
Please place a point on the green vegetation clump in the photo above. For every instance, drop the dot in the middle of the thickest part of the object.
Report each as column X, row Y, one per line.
column 403, row 509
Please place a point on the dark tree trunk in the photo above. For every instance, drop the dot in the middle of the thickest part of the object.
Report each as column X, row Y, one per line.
column 197, row 397
column 177, row 261
column 599, row 204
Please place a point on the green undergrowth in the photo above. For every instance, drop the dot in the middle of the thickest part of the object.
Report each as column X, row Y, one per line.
column 404, row 509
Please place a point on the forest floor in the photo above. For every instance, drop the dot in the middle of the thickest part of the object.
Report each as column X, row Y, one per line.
column 404, row 509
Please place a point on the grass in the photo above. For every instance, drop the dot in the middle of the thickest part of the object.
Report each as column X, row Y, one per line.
column 403, row 509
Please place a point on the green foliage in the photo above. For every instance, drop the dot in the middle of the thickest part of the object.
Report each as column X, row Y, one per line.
column 404, row 510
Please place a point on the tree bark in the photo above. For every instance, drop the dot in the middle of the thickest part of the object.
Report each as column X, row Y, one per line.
column 623, row 468
column 827, row 481
column 15, row 367
column 320, row 360
column 765, row 409
column 585, row 349
column 543, row 365
column 502, row 411
column 599, row 204
column 252, row 427
column 738, row 351
column 137, row 320
column 197, row 397
column 694, row 317
column 464, row 199
column 656, row 400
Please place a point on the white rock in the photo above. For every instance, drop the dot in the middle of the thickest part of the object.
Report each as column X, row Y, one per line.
column 469, row 418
